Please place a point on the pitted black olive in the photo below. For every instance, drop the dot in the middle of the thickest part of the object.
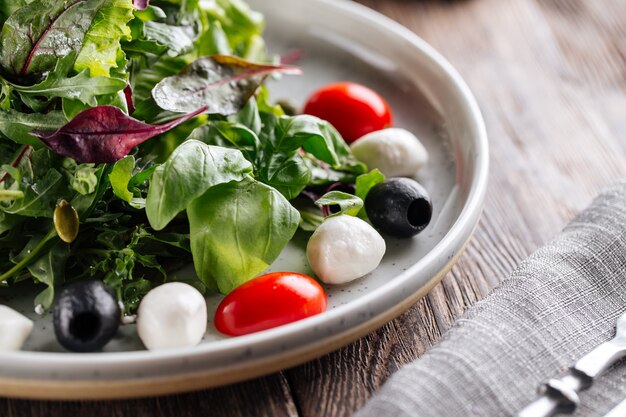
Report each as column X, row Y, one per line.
column 399, row 207
column 86, row 316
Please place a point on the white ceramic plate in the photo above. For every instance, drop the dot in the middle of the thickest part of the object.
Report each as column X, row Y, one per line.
column 340, row 40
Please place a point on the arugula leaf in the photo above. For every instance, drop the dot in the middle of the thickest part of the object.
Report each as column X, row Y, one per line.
column 191, row 170
column 102, row 50
column 17, row 126
column 8, row 221
column 348, row 204
column 49, row 269
column 222, row 83
column 103, row 134
column 40, row 196
column 38, row 34
column 237, row 230
column 58, row 83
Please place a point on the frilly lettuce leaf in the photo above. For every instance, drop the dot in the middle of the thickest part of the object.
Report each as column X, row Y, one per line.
column 102, row 49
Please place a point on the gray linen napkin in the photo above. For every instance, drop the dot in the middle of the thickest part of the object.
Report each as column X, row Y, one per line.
column 558, row 305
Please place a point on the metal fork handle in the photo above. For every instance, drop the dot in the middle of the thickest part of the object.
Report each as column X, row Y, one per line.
column 560, row 396
column 601, row 358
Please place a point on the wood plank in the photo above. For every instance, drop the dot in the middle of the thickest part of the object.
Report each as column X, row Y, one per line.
column 264, row 397
column 550, row 77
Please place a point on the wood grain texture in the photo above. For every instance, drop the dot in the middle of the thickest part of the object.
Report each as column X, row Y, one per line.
column 550, row 77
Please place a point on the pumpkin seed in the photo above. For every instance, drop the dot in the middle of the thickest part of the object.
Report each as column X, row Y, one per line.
column 66, row 221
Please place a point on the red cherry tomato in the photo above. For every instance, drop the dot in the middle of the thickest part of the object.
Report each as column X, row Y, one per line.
column 353, row 109
column 268, row 301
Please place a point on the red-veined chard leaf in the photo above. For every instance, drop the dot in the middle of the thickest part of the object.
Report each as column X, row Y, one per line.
column 222, row 83
column 104, row 134
column 40, row 33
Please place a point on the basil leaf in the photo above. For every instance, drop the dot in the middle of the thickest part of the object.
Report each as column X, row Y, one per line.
column 249, row 117
column 365, row 182
column 102, row 50
column 237, row 230
column 80, row 87
column 229, row 135
column 220, row 82
column 326, row 144
column 288, row 173
column 120, row 176
column 40, row 33
column 17, row 126
column 348, row 204
column 190, row 171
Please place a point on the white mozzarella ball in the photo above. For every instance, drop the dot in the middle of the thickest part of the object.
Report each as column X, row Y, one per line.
column 395, row 152
column 172, row 315
column 344, row 248
column 14, row 329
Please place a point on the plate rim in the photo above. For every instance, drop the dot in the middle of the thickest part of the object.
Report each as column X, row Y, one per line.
column 457, row 236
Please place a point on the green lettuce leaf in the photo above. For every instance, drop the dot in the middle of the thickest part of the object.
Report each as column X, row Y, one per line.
column 102, row 49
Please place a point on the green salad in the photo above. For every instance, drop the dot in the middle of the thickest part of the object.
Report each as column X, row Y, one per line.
column 136, row 138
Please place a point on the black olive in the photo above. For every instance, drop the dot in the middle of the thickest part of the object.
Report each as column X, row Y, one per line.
column 399, row 207
column 86, row 316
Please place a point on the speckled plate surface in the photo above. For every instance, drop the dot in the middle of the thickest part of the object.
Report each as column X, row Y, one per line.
column 339, row 40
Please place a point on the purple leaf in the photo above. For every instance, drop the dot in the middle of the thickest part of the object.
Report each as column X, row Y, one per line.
column 128, row 95
column 104, row 134
column 141, row 4
column 222, row 83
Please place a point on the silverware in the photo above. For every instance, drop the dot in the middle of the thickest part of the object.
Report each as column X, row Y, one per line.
column 561, row 395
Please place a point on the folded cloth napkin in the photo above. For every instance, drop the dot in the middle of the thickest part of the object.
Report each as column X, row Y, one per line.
column 557, row 306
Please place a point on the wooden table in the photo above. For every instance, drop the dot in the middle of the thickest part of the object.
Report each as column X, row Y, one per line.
column 550, row 76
